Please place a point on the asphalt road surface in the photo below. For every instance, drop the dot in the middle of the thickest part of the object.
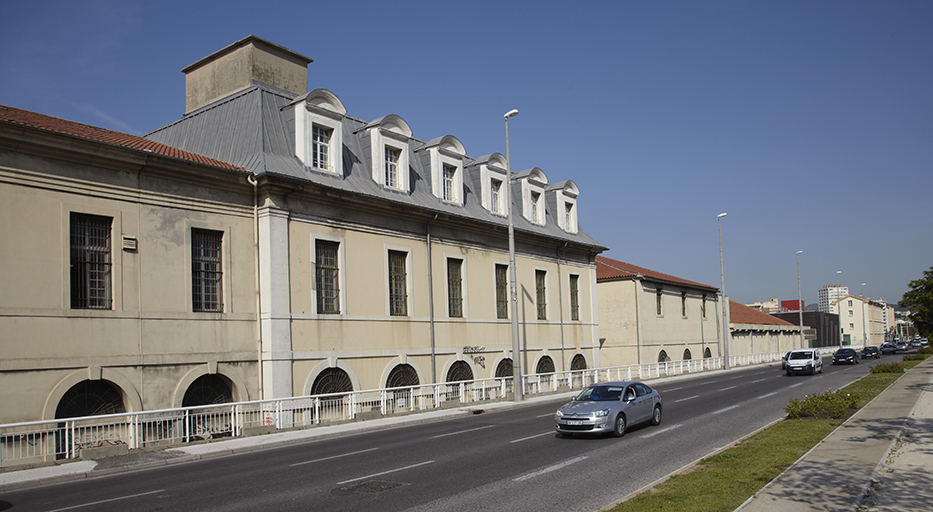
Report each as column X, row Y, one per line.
column 505, row 460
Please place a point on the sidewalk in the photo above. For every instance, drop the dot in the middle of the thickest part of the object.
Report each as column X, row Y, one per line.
column 878, row 460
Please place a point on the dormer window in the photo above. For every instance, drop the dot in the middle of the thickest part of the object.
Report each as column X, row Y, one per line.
column 536, row 208
column 568, row 214
column 318, row 131
column 495, row 199
column 445, row 158
column 389, row 138
column 450, row 173
column 565, row 199
column 533, row 182
column 492, row 176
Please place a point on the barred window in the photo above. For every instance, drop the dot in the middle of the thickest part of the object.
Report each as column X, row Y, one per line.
column 392, row 157
column 206, row 271
column 574, row 297
column 398, row 283
column 449, row 183
column 327, row 273
column 541, row 293
column 90, row 261
column 502, row 291
column 320, row 147
column 455, row 287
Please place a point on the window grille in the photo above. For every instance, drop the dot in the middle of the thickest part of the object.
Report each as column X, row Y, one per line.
column 455, row 288
column 502, row 291
column 449, row 182
column 90, row 261
column 206, row 271
column 327, row 273
column 320, row 147
column 575, row 297
column 398, row 283
column 541, row 293
column 392, row 157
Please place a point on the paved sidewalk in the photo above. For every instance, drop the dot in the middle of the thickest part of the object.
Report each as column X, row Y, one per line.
column 847, row 470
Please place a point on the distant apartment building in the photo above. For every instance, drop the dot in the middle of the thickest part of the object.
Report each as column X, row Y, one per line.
column 771, row 306
column 829, row 294
column 862, row 321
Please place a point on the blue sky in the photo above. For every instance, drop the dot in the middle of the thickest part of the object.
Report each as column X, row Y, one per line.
column 809, row 123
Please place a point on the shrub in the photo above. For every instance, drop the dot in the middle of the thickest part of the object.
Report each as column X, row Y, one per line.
column 887, row 368
column 831, row 404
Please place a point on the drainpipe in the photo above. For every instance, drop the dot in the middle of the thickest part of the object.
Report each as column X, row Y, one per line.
column 431, row 299
column 253, row 181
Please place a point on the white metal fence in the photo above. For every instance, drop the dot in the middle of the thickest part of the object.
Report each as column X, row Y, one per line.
column 42, row 441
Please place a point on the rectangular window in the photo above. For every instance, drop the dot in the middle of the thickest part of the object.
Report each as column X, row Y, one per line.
column 850, row 312
column 320, row 147
column 850, row 303
column 541, row 293
column 206, row 271
column 502, row 291
column 454, row 288
column 568, row 216
column 449, row 183
column 398, row 283
column 659, row 301
column 327, row 274
column 90, row 261
column 534, row 206
column 495, row 190
column 683, row 304
column 574, row 297
column 392, row 157
column 703, row 306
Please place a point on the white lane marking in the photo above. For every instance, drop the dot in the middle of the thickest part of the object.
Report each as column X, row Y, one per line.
column 728, row 388
column 663, row 430
column 332, row 457
column 549, row 469
column 688, row 398
column 720, row 411
column 672, row 389
column 795, row 385
column 545, row 415
column 107, row 501
column 766, row 396
column 385, row 472
column 531, row 437
column 461, row 432
column 737, row 377
column 759, row 380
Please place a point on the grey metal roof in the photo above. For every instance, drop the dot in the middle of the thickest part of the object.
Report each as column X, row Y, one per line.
column 255, row 129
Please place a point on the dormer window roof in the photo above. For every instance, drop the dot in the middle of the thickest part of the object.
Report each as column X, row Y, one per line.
column 533, row 185
column 319, row 131
column 565, row 202
column 445, row 155
column 389, row 145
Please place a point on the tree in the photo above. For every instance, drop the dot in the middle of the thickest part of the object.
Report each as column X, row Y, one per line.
column 919, row 299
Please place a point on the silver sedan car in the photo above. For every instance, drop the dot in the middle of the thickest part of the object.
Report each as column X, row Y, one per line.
column 609, row 407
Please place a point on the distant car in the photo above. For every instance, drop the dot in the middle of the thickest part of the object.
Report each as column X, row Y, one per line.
column 915, row 343
column 871, row 352
column 784, row 361
column 888, row 348
column 845, row 356
column 609, row 408
column 804, row 360
column 901, row 345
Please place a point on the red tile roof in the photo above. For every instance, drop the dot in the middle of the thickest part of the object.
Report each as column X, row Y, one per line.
column 742, row 314
column 53, row 124
column 608, row 269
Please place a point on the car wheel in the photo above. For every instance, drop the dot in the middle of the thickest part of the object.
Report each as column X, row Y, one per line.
column 821, row 369
column 787, row 373
column 813, row 371
column 656, row 417
column 619, row 429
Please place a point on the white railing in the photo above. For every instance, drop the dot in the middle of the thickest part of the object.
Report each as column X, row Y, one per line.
column 43, row 441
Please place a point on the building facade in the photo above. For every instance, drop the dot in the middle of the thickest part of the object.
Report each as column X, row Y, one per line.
column 862, row 321
column 827, row 295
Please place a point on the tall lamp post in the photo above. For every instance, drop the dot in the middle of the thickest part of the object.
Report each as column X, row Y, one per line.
column 864, row 333
column 517, row 385
column 722, row 290
column 799, row 299
column 839, row 307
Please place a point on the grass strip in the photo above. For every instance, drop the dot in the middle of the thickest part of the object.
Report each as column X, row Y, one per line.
column 724, row 481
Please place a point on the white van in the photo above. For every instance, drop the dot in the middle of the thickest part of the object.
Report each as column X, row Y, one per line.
column 804, row 360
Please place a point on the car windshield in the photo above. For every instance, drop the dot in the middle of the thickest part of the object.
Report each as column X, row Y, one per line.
column 845, row 352
column 801, row 355
column 597, row 393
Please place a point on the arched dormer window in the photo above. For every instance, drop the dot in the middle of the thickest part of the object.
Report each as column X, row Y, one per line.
column 318, row 131
column 446, row 161
column 493, row 173
column 533, row 185
column 565, row 199
column 389, row 136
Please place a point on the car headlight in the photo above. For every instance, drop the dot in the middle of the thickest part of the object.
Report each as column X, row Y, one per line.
column 558, row 414
column 601, row 413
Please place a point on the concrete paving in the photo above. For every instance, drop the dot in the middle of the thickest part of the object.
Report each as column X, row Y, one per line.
column 877, row 460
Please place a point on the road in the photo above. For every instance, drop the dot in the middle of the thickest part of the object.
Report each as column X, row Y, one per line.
column 510, row 459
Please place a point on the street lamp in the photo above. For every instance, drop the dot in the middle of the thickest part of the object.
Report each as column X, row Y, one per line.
column 861, row 294
column 722, row 290
column 839, row 307
column 799, row 299
column 517, row 385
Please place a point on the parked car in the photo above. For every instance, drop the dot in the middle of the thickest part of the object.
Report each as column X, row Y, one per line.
column 784, row 361
column 609, row 408
column 888, row 348
column 845, row 355
column 804, row 360
column 871, row 352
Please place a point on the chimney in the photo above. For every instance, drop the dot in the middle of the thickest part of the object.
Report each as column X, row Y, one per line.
column 232, row 69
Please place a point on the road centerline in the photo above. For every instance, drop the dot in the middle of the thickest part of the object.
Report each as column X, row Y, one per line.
column 549, row 469
column 385, row 472
column 688, row 398
column 461, row 432
column 107, row 501
column 332, row 457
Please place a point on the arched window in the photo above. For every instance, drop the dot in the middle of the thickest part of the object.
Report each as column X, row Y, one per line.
column 207, row 390
column 332, row 380
column 545, row 365
column 663, row 357
column 401, row 376
column 90, row 398
column 707, row 353
column 578, row 362
column 504, row 369
column 459, row 371
column 687, row 354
